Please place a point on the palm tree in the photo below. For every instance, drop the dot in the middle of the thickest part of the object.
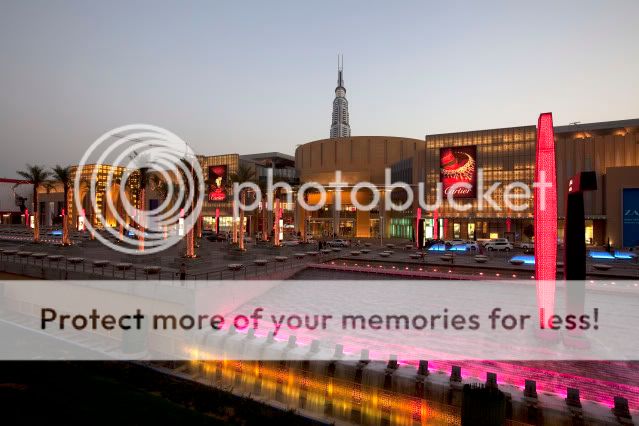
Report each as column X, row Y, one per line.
column 190, row 235
column 38, row 176
column 63, row 175
column 87, row 205
column 243, row 175
column 277, row 210
column 161, row 187
column 263, row 191
column 143, row 180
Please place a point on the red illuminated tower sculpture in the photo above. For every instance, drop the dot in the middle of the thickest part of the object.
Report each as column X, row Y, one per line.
column 545, row 220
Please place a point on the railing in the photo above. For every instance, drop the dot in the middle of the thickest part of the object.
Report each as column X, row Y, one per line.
column 66, row 268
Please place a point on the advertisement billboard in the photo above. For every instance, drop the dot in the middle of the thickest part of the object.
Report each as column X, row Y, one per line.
column 458, row 165
column 218, row 190
column 630, row 216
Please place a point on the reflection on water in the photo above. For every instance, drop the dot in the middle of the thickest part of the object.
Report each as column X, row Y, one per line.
column 322, row 389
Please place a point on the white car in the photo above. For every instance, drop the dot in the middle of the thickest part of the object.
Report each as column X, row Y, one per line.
column 527, row 245
column 455, row 242
column 339, row 243
column 499, row 244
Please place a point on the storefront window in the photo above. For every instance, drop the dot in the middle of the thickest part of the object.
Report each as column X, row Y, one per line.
column 401, row 228
column 589, row 232
column 456, row 230
column 346, row 228
column 471, row 231
column 428, row 228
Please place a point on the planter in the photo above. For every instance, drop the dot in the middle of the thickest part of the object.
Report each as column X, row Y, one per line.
column 100, row 263
column 516, row 262
column 75, row 260
column 260, row 262
column 365, row 251
column 602, row 267
column 281, row 258
column 152, row 270
column 384, row 254
column 480, row 258
column 24, row 253
column 54, row 257
column 123, row 266
column 355, row 253
column 299, row 255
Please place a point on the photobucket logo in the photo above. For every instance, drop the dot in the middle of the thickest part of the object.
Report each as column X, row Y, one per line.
column 516, row 196
column 115, row 178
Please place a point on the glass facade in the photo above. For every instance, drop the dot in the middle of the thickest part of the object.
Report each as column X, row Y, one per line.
column 401, row 228
column 232, row 162
column 503, row 156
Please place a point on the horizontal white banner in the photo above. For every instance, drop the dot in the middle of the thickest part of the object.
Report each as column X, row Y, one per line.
column 319, row 320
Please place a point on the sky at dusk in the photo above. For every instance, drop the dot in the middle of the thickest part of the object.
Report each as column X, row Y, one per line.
column 252, row 77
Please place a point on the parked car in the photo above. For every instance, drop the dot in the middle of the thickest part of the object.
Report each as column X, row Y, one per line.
column 455, row 242
column 338, row 243
column 499, row 244
column 526, row 245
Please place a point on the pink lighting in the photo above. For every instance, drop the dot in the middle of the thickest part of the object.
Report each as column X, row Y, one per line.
column 435, row 225
column 545, row 220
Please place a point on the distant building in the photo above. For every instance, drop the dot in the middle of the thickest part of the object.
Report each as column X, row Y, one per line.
column 15, row 197
column 340, row 127
column 217, row 169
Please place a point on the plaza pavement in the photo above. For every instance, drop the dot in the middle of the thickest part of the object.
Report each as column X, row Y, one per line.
column 213, row 259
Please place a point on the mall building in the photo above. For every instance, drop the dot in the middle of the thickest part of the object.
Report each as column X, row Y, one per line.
column 217, row 210
column 504, row 156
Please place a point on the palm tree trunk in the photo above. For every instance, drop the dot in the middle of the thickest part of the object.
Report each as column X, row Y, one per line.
column 141, row 206
column 264, row 221
column 234, row 223
column 36, row 217
column 66, row 241
column 243, row 195
column 276, row 237
column 190, row 243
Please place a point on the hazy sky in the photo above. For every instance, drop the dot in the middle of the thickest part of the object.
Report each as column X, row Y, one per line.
column 248, row 77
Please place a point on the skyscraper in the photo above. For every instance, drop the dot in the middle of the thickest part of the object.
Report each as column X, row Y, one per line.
column 340, row 128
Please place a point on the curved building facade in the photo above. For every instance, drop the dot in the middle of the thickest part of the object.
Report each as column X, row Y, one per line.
column 358, row 159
